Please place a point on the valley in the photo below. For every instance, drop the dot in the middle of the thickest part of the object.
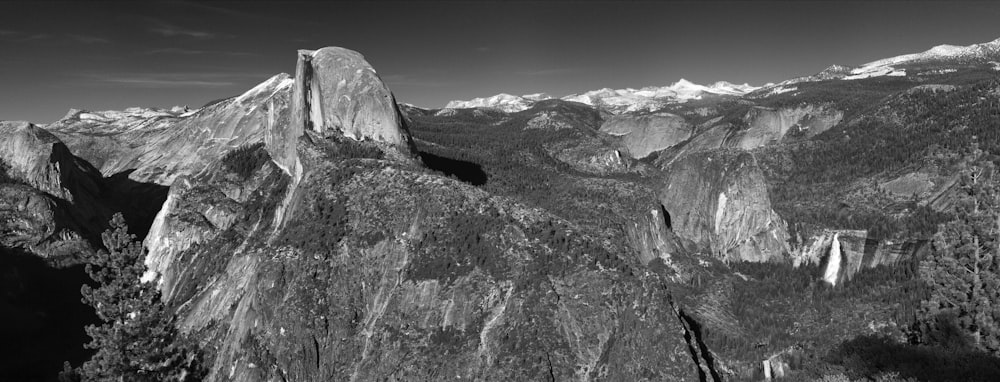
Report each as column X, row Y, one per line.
column 312, row 228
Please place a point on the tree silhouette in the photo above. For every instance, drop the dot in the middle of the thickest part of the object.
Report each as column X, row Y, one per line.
column 138, row 340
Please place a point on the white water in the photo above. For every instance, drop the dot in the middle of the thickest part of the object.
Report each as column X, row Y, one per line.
column 833, row 264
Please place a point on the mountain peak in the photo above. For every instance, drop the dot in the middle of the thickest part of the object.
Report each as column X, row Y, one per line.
column 682, row 83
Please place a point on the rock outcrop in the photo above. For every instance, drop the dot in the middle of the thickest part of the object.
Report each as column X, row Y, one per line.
column 158, row 148
column 718, row 200
column 768, row 126
column 652, row 236
column 335, row 92
column 857, row 251
column 340, row 92
column 42, row 161
column 643, row 134
column 53, row 206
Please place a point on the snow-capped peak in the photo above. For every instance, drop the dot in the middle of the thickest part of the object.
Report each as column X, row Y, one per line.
column 628, row 99
column 503, row 101
column 941, row 52
column 725, row 87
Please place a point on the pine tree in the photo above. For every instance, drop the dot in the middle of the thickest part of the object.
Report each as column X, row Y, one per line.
column 964, row 269
column 138, row 340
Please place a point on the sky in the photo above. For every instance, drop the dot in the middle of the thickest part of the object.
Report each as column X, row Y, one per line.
column 109, row 56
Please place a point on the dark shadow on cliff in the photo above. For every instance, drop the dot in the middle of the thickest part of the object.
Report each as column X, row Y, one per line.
column 468, row 172
column 666, row 218
column 42, row 317
column 137, row 201
column 869, row 356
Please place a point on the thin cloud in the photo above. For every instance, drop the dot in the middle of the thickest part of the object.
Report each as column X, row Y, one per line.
column 169, row 80
column 168, row 30
column 193, row 52
column 18, row 36
column 89, row 39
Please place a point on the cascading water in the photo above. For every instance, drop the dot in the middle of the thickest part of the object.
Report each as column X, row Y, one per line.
column 833, row 264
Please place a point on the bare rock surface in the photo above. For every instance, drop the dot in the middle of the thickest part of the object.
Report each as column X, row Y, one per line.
column 718, row 200
column 647, row 133
column 768, row 126
column 160, row 147
column 341, row 92
column 54, row 204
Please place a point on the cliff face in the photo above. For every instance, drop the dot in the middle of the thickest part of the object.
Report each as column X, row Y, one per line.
column 645, row 134
column 653, row 238
column 55, row 203
column 719, row 201
column 857, row 251
column 41, row 160
column 767, row 126
column 340, row 92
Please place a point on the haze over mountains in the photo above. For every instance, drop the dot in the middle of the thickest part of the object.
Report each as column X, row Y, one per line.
column 312, row 229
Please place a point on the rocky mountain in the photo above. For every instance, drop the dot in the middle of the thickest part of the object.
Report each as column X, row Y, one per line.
column 504, row 102
column 621, row 100
column 941, row 59
column 55, row 204
column 354, row 265
column 157, row 147
column 314, row 229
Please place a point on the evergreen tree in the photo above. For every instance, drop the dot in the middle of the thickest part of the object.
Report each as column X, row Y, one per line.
column 964, row 269
column 138, row 340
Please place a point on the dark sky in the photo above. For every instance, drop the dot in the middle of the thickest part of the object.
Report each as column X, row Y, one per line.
column 101, row 56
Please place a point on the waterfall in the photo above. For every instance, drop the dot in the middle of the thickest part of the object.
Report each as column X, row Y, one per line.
column 833, row 264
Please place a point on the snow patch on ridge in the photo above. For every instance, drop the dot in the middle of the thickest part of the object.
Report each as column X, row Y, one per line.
column 644, row 99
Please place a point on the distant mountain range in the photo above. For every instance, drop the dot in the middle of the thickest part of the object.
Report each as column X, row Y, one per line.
column 653, row 98
column 647, row 98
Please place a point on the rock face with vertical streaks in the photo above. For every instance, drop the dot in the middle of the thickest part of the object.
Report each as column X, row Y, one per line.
column 857, row 250
column 337, row 91
column 719, row 201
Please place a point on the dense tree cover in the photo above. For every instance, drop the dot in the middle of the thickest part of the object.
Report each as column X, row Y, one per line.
column 137, row 340
column 776, row 305
column 869, row 357
column 514, row 160
column 244, row 160
column 911, row 129
column 853, row 96
column 343, row 147
column 964, row 269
